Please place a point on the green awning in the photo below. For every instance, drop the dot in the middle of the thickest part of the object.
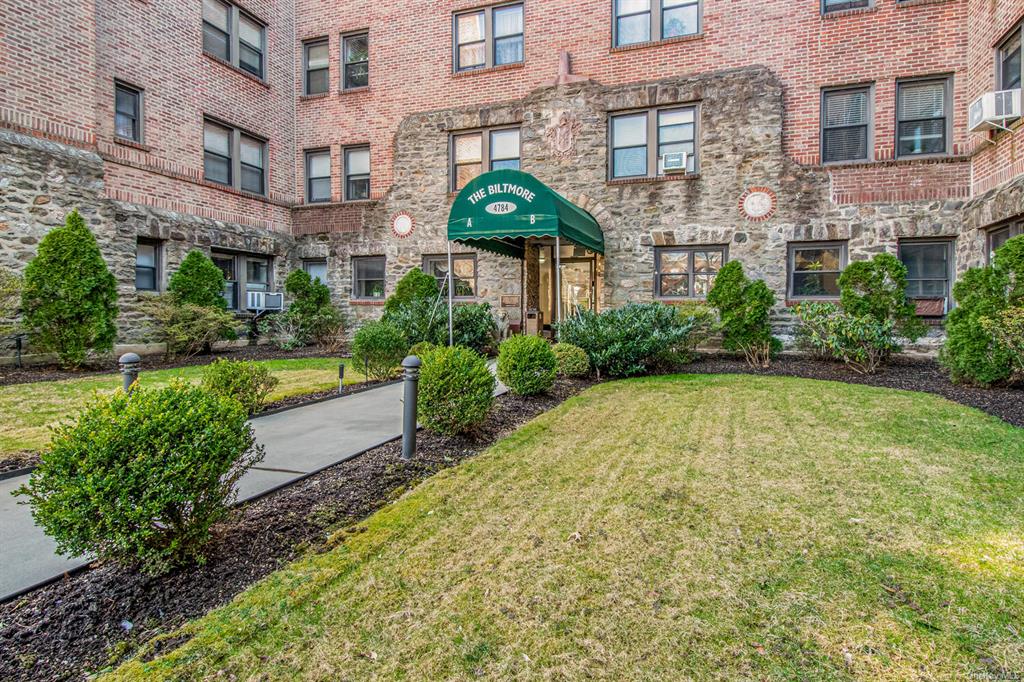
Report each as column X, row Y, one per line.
column 497, row 211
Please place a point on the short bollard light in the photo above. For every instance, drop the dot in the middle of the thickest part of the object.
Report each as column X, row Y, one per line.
column 129, row 365
column 410, row 379
column 341, row 378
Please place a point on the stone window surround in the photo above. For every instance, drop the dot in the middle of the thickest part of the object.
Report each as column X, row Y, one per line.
column 1012, row 228
column 456, row 256
column 233, row 37
column 355, row 279
column 488, row 12
column 653, row 143
column 485, row 149
column 655, row 37
column 793, row 247
column 690, row 249
column 947, row 80
column 870, row 144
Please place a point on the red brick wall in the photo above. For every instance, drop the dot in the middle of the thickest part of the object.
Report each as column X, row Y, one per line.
column 411, row 69
column 1001, row 157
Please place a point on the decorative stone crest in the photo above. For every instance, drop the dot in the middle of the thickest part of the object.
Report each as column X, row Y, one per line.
column 757, row 204
column 561, row 134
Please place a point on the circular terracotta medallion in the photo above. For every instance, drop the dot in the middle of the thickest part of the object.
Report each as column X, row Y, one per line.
column 757, row 203
column 402, row 224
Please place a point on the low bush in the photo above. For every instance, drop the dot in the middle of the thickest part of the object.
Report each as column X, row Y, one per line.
column 143, row 478
column 198, row 281
column 415, row 285
column 282, row 330
column 379, row 348
column 527, row 365
column 10, row 301
column 744, row 310
column 1007, row 328
column 572, row 360
column 185, row 328
column 877, row 287
column 422, row 348
column 632, row 339
column 456, row 390
column 862, row 342
column 419, row 320
column 248, row 383
column 310, row 318
column 473, row 326
column 69, row 296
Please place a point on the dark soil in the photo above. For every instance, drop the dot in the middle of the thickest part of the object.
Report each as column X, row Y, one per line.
column 86, row 620
column 9, row 374
column 18, row 460
column 911, row 374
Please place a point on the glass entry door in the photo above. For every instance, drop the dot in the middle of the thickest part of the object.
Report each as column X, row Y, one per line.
column 577, row 286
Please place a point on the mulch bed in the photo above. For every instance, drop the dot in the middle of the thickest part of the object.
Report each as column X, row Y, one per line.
column 9, row 374
column 18, row 460
column 911, row 374
column 63, row 629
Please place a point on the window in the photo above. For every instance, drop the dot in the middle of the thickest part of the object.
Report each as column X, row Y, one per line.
column 641, row 21
column 489, row 37
column 368, row 277
column 316, row 269
column 839, row 5
column 929, row 268
column 686, row 272
column 127, row 112
column 472, row 152
column 922, row 117
column 357, row 173
column 640, row 139
column 463, row 272
column 1000, row 235
column 846, row 124
column 318, row 176
column 356, row 55
column 147, row 265
column 234, row 36
column 814, row 269
column 234, row 158
column 243, row 273
column 1008, row 66
column 318, row 64
column 227, row 266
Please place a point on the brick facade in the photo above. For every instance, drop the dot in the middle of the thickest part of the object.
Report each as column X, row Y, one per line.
column 757, row 70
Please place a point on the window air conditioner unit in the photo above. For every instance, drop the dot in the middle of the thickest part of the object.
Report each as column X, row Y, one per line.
column 674, row 162
column 264, row 300
column 993, row 109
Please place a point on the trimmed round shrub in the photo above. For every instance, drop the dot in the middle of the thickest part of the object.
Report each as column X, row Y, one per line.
column 422, row 348
column 456, row 390
column 247, row 382
column 877, row 287
column 68, row 296
column 527, row 365
column 572, row 360
column 414, row 285
column 473, row 326
column 143, row 477
column 198, row 282
column 379, row 348
column 971, row 353
column 744, row 309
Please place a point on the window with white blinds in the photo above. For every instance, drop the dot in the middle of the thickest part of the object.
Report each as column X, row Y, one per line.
column 922, row 115
column 846, row 124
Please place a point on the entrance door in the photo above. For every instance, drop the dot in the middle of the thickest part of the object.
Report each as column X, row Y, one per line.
column 577, row 286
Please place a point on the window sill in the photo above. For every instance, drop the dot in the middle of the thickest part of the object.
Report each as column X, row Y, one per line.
column 901, row 161
column 333, row 204
column 670, row 300
column 656, row 43
column 916, row 3
column 658, row 179
column 491, row 69
column 366, row 301
column 836, row 14
column 319, row 95
column 124, row 141
column 354, row 91
column 240, row 71
column 233, row 190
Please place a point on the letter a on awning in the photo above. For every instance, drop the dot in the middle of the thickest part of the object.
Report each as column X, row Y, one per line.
column 497, row 211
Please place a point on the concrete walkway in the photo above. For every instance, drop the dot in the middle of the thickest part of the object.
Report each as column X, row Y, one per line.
column 298, row 442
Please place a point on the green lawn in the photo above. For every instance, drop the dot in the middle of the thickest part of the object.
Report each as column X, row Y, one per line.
column 29, row 409
column 671, row 528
